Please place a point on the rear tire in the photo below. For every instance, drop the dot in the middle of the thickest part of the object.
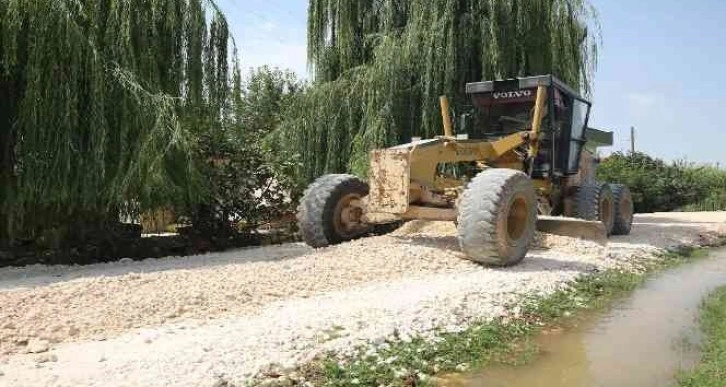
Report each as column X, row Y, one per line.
column 606, row 207
column 593, row 202
column 623, row 218
column 325, row 215
column 497, row 217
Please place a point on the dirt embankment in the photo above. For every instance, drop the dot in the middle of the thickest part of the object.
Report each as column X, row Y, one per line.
column 192, row 320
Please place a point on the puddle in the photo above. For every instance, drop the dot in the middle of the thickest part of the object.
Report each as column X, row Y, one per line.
column 643, row 341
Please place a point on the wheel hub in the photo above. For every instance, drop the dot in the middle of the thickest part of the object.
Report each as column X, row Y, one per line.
column 348, row 216
column 517, row 218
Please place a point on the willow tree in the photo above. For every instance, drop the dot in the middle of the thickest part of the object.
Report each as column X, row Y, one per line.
column 380, row 65
column 100, row 104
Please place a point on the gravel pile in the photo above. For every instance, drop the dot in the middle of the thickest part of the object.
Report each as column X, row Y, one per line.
column 191, row 321
column 144, row 296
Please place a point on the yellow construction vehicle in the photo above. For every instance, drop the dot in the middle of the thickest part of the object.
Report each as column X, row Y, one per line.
column 520, row 161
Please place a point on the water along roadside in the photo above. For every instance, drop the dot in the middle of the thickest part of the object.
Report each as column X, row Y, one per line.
column 642, row 341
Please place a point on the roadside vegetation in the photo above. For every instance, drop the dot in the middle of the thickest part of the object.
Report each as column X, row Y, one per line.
column 115, row 109
column 658, row 186
column 712, row 369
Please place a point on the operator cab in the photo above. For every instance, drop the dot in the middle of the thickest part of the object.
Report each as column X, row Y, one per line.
column 501, row 108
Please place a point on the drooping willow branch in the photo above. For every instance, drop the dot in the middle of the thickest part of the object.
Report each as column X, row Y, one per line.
column 380, row 66
column 100, row 101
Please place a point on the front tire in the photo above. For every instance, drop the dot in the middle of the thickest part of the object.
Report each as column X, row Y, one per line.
column 497, row 217
column 328, row 214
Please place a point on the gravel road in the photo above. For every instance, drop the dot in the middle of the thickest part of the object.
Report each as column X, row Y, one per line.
column 192, row 321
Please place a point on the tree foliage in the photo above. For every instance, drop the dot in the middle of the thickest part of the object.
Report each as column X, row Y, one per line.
column 659, row 186
column 246, row 178
column 380, row 66
column 101, row 102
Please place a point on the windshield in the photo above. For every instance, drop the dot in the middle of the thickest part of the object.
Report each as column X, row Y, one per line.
column 494, row 116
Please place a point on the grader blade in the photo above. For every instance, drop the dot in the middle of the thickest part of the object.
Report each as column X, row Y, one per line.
column 576, row 228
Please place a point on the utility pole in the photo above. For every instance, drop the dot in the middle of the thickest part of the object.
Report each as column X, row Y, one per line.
column 632, row 140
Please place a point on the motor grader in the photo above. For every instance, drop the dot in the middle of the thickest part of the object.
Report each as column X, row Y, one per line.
column 519, row 161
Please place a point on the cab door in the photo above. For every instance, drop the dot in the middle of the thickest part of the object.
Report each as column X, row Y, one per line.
column 577, row 138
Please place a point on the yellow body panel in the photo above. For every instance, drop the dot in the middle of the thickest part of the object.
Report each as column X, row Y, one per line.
column 425, row 159
column 539, row 110
column 398, row 175
column 407, row 174
column 389, row 181
column 448, row 128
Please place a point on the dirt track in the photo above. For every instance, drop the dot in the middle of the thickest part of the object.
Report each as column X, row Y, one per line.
column 193, row 320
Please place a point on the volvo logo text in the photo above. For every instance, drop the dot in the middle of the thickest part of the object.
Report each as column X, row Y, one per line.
column 513, row 94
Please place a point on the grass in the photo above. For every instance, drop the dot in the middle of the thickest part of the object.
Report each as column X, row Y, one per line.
column 501, row 341
column 712, row 369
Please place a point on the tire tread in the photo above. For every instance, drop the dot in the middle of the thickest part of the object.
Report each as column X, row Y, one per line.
column 479, row 211
column 317, row 205
column 622, row 225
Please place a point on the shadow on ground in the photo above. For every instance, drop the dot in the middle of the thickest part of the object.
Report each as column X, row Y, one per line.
column 534, row 262
column 40, row 275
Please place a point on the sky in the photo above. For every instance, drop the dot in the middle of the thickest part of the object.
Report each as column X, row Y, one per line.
column 659, row 69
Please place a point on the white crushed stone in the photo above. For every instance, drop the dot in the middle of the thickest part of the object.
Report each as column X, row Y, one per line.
column 244, row 310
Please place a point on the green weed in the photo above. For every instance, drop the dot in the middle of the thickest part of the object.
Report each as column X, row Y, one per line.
column 712, row 369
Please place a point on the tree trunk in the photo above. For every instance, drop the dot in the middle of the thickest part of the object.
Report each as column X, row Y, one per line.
column 7, row 158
